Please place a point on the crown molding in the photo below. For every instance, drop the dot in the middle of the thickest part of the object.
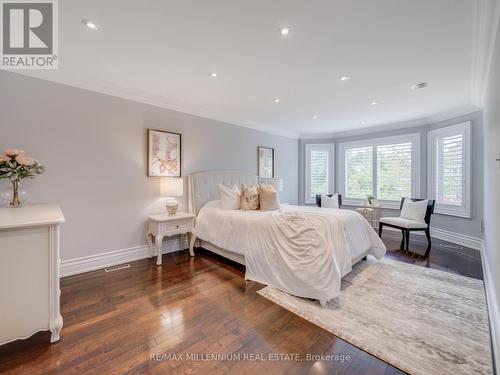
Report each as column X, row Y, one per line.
column 401, row 125
column 140, row 96
column 486, row 18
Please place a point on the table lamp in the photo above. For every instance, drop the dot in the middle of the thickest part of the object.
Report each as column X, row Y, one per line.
column 171, row 187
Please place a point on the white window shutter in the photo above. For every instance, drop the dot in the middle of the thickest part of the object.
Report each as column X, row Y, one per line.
column 394, row 171
column 449, row 169
column 358, row 172
column 319, row 170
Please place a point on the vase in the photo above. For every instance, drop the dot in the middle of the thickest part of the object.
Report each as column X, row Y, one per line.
column 14, row 197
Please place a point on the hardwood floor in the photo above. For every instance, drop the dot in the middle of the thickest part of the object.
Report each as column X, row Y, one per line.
column 130, row 321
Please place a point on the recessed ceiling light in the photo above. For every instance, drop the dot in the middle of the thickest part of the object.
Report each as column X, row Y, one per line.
column 363, row 122
column 276, row 100
column 315, row 117
column 284, row 30
column 420, row 85
column 374, row 103
column 344, row 78
column 91, row 25
column 213, row 75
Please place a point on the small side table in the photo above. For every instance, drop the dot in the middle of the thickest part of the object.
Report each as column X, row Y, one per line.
column 165, row 225
column 371, row 212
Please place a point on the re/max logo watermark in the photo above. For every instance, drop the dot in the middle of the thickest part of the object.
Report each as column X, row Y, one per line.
column 29, row 34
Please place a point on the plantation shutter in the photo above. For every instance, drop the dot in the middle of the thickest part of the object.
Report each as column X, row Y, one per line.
column 319, row 171
column 359, row 172
column 394, row 171
column 450, row 169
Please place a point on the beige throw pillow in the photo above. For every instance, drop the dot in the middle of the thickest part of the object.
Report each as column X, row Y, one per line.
column 249, row 197
column 269, row 200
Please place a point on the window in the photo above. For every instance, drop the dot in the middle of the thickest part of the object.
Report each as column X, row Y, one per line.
column 394, row 171
column 386, row 168
column 359, row 172
column 319, row 170
column 449, row 169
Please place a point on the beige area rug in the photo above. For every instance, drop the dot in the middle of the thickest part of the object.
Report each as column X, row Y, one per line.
column 421, row 320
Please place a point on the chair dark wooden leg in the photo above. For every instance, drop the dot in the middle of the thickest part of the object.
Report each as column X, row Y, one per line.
column 380, row 226
column 402, row 246
column 407, row 239
column 428, row 234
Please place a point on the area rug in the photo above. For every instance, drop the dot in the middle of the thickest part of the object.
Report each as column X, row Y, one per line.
column 421, row 320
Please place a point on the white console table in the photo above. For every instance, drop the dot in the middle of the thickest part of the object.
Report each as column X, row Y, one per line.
column 29, row 272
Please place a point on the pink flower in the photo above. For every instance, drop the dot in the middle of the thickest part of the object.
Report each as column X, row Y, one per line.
column 3, row 158
column 13, row 152
column 25, row 160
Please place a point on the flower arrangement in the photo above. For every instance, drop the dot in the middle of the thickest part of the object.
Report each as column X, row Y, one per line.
column 16, row 165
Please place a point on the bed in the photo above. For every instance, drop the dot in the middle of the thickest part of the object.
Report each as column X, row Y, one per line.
column 302, row 250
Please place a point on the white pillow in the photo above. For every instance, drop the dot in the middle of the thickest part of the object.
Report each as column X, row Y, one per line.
column 414, row 210
column 330, row 202
column 230, row 198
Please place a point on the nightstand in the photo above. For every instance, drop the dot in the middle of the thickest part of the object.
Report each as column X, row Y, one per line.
column 165, row 225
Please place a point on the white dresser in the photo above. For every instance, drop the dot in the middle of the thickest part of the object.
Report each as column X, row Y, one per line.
column 29, row 271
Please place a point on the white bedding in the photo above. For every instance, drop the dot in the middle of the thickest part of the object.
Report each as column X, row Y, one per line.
column 304, row 251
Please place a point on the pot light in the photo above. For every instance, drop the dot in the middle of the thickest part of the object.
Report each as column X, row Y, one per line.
column 315, row 117
column 91, row 25
column 344, row 78
column 420, row 85
column 374, row 103
column 276, row 100
column 284, row 30
column 363, row 122
column 213, row 75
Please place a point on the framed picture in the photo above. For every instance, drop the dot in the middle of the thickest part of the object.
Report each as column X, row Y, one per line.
column 164, row 153
column 266, row 161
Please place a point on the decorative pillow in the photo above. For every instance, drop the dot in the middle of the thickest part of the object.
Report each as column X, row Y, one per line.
column 414, row 210
column 269, row 199
column 230, row 198
column 330, row 202
column 249, row 197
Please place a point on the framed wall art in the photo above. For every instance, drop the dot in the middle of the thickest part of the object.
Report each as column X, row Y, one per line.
column 164, row 153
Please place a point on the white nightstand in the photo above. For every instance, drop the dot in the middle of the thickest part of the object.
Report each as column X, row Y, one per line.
column 164, row 225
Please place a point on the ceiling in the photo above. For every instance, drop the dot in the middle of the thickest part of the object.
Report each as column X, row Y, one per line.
column 163, row 53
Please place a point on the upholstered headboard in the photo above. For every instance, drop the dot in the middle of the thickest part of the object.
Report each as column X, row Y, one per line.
column 203, row 186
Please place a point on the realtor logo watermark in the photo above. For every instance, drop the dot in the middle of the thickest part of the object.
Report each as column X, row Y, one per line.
column 29, row 37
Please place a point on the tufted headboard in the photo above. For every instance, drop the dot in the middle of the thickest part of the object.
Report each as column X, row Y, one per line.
column 203, row 186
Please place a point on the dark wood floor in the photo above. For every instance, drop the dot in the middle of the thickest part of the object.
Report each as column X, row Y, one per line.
column 114, row 322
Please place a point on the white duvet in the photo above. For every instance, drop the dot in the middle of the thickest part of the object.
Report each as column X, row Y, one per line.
column 304, row 251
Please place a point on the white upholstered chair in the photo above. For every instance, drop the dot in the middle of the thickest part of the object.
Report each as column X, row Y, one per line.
column 414, row 216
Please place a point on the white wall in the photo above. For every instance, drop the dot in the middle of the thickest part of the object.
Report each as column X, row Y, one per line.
column 492, row 193
column 94, row 148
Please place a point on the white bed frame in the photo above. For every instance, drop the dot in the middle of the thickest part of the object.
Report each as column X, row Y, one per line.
column 203, row 188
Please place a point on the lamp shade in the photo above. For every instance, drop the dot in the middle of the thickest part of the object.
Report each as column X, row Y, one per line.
column 171, row 187
column 277, row 183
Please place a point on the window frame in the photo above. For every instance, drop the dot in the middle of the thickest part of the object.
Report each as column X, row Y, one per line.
column 463, row 128
column 331, row 168
column 413, row 138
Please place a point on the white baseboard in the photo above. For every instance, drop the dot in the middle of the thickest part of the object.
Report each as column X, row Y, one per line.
column 492, row 308
column 452, row 237
column 457, row 238
column 112, row 258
